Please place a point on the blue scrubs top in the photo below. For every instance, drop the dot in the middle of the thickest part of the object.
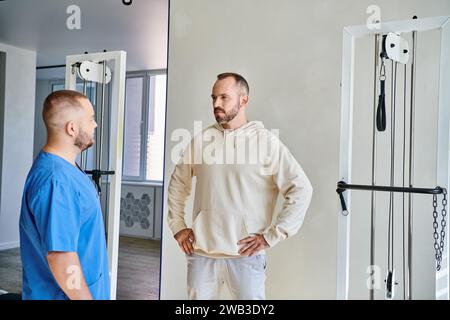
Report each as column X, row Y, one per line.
column 61, row 212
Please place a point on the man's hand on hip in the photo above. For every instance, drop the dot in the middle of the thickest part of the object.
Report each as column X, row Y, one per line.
column 252, row 245
column 185, row 239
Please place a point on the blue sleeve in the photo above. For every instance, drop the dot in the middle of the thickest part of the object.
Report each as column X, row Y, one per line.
column 57, row 213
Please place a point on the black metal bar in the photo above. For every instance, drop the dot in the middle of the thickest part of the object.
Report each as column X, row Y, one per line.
column 51, row 67
column 342, row 186
column 97, row 175
column 100, row 172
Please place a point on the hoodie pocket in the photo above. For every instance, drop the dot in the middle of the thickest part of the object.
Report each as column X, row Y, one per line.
column 217, row 231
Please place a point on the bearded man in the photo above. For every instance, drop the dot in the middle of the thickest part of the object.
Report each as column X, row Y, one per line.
column 233, row 219
column 62, row 236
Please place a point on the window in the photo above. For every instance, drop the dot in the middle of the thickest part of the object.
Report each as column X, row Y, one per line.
column 132, row 147
column 145, row 105
column 155, row 132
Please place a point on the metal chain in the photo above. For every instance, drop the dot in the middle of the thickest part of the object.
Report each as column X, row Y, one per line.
column 439, row 243
column 443, row 221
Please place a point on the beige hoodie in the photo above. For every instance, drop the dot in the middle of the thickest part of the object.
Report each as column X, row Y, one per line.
column 238, row 182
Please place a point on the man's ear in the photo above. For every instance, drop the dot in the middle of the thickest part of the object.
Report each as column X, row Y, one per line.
column 72, row 129
column 244, row 100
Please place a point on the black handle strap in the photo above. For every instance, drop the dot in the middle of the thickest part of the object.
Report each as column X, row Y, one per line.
column 341, row 197
column 381, row 110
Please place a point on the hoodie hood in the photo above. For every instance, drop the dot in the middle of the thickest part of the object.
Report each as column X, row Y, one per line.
column 248, row 129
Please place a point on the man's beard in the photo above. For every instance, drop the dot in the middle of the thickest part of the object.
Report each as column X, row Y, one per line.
column 228, row 116
column 83, row 141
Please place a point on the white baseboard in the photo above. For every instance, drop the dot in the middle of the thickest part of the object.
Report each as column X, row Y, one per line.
column 9, row 245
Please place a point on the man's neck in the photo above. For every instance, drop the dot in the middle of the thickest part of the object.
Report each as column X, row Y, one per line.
column 66, row 154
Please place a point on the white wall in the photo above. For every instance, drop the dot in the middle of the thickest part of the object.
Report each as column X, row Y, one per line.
column 18, row 129
column 290, row 52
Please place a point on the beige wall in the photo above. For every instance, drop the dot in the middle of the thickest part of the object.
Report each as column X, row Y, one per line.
column 290, row 52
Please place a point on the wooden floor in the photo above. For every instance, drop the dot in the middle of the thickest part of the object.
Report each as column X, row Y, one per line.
column 10, row 271
column 138, row 273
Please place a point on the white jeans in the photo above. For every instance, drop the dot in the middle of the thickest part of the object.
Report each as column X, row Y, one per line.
column 244, row 277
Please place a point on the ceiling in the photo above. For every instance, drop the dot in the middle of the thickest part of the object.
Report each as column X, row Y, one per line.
column 40, row 25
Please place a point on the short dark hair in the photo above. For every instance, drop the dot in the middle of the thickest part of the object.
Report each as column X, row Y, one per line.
column 240, row 80
column 59, row 100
